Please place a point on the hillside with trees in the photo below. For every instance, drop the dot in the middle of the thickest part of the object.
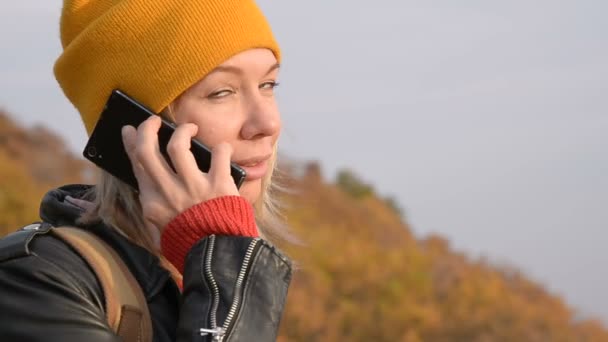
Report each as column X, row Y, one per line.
column 31, row 161
column 362, row 275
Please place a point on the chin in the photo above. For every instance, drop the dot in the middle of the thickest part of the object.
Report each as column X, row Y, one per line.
column 251, row 190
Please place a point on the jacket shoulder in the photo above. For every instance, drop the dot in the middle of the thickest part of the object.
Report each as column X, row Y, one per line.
column 16, row 244
column 38, row 270
column 34, row 241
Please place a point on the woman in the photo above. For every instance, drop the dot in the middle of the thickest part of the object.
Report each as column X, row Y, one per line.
column 211, row 67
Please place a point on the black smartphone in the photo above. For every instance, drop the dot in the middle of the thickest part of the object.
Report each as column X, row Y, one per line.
column 106, row 150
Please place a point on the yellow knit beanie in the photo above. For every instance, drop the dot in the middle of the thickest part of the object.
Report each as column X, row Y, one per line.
column 151, row 49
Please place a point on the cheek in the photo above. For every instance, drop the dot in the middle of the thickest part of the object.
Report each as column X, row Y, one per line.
column 215, row 123
column 251, row 191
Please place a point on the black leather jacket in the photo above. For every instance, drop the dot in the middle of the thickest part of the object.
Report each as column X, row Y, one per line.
column 49, row 293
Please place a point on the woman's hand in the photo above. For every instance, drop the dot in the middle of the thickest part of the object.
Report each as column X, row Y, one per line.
column 165, row 193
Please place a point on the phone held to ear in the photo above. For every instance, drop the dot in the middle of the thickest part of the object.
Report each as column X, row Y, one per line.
column 106, row 149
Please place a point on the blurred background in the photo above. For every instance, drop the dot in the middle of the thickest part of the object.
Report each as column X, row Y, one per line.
column 450, row 160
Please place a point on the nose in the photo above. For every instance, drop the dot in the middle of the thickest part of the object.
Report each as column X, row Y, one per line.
column 263, row 118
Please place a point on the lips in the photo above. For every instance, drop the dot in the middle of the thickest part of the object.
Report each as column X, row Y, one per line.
column 255, row 168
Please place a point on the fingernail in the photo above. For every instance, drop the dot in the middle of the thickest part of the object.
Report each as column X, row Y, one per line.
column 124, row 131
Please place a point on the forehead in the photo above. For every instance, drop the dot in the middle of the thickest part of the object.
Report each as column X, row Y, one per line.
column 252, row 58
column 249, row 63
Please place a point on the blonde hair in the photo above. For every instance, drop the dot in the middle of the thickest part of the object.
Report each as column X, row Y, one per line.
column 117, row 205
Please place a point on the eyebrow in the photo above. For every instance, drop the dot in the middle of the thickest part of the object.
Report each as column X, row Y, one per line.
column 239, row 71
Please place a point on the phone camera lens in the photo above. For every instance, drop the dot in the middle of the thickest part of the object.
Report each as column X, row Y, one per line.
column 91, row 151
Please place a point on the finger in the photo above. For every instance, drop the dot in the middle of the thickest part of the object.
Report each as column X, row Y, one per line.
column 179, row 151
column 148, row 153
column 86, row 205
column 129, row 140
column 220, row 162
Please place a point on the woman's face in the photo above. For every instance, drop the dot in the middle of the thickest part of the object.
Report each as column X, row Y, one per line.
column 235, row 103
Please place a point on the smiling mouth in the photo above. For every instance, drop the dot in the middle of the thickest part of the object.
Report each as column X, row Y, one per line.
column 255, row 168
column 252, row 161
column 250, row 164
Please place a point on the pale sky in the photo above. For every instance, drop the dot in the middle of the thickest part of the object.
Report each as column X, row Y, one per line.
column 487, row 120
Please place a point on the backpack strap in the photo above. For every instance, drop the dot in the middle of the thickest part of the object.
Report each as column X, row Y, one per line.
column 126, row 308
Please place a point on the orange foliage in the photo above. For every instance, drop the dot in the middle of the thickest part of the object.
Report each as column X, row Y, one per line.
column 363, row 276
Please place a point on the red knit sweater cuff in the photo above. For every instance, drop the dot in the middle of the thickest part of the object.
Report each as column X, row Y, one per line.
column 228, row 215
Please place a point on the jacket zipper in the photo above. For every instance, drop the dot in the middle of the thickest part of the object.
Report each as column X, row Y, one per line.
column 216, row 331
column 240, row 280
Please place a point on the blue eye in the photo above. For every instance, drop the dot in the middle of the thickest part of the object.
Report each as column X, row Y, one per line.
column 269, row 85
column 221, row 93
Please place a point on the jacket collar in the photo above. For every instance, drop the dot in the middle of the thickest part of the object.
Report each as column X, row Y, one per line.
column 145, row 266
